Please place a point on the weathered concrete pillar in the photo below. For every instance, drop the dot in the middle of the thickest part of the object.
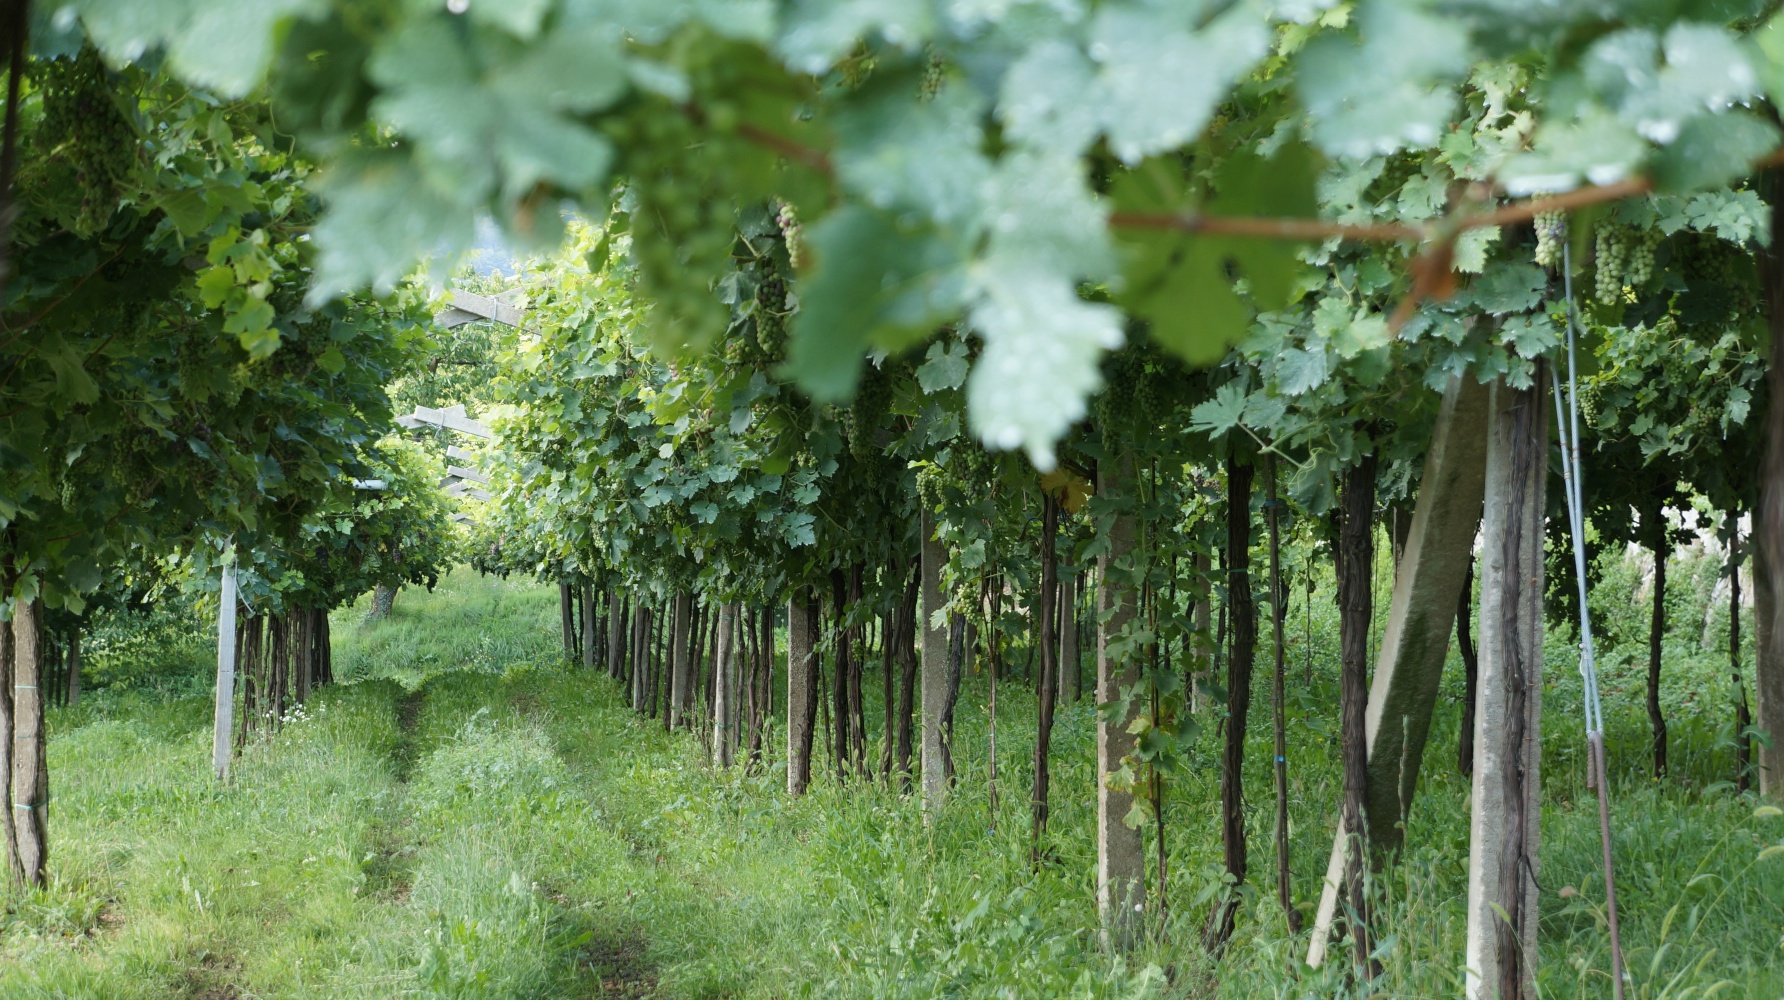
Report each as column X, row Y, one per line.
column 1503, row 830
column 1120, row 861
column 30, row 770
column 802, row 689
column 1439, row 548
column 224, row 712
column 934, row 651
column 724, row 687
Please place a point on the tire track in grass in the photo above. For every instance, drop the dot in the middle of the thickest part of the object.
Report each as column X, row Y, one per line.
column 389, row 866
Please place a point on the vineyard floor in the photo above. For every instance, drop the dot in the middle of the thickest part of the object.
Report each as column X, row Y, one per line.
column 465, row 817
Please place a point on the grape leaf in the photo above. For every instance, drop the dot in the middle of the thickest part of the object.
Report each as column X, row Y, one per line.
column 1042, row 342
column 874, row 280
column 1387, row 91
column 383, row 215
column 943, row 367
column 902, row 155
column 1042, row 100
column 819, row 32
column 1300, row 370
column 1713, row 149
column 1160, row 81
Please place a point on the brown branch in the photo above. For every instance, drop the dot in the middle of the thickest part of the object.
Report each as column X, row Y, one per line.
column 816, row 159
column 1266, row 228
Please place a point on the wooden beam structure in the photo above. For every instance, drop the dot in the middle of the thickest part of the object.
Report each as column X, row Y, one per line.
column 469, row 307
column 452, row 418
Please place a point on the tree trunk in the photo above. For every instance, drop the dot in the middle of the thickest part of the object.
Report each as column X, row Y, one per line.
column 1201, row 621
column 889, row 627
column 1657, row 633
column 1743, row 717
column 616, row 635
column 640, row 657
column 74, row 665
column 764, row 717
column 660, row 632
column 1120, row 863
column 1470, row 676
column 1243, row 628
column 1503, row 825
column 857, row 635
column 1356, row 562
column 567, row 620
column 588, row 624
column 839, row 638
column 960, row 641
column 935, row 679
column 802, row 688
column 1278, row 712
column 30, row 769
column 1768, row 519
column 383, row 597
column 1070, row 661
column 907, row 669
column 680, row 670
column 7, row 825
column 1049, row 670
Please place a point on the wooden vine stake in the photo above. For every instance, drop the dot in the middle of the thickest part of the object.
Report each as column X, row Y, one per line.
column 225, row 714
column 1503, row 829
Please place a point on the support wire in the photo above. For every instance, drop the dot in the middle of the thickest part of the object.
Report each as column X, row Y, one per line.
column 1568, row 425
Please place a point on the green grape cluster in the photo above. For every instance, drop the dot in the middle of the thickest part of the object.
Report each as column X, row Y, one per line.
column 929, row 484
column 788, row 220
column 82, row 122
column 1137, row 385
column 1551, row 234
column 934, row 73
column 867, row 413
column 1625, row 256
column 771, row 315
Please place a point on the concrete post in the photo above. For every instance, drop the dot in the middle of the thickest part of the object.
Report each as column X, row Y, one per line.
column 1120, row 862
column 801, row 689
column 1438, row 550
column 1503, row 829
column 934, row 651
column 225, row 705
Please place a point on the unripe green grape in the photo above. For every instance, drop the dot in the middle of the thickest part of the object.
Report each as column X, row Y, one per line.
column 788, row 220
column 933, row 75
column 1551, row 233
column 1612, row 254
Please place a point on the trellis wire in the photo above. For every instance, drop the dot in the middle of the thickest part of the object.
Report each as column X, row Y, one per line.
column 1568, row 425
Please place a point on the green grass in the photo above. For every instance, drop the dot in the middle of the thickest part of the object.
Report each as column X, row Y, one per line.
column 469, row 818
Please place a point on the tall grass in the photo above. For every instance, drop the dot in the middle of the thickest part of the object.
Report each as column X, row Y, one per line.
column 471, row 818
